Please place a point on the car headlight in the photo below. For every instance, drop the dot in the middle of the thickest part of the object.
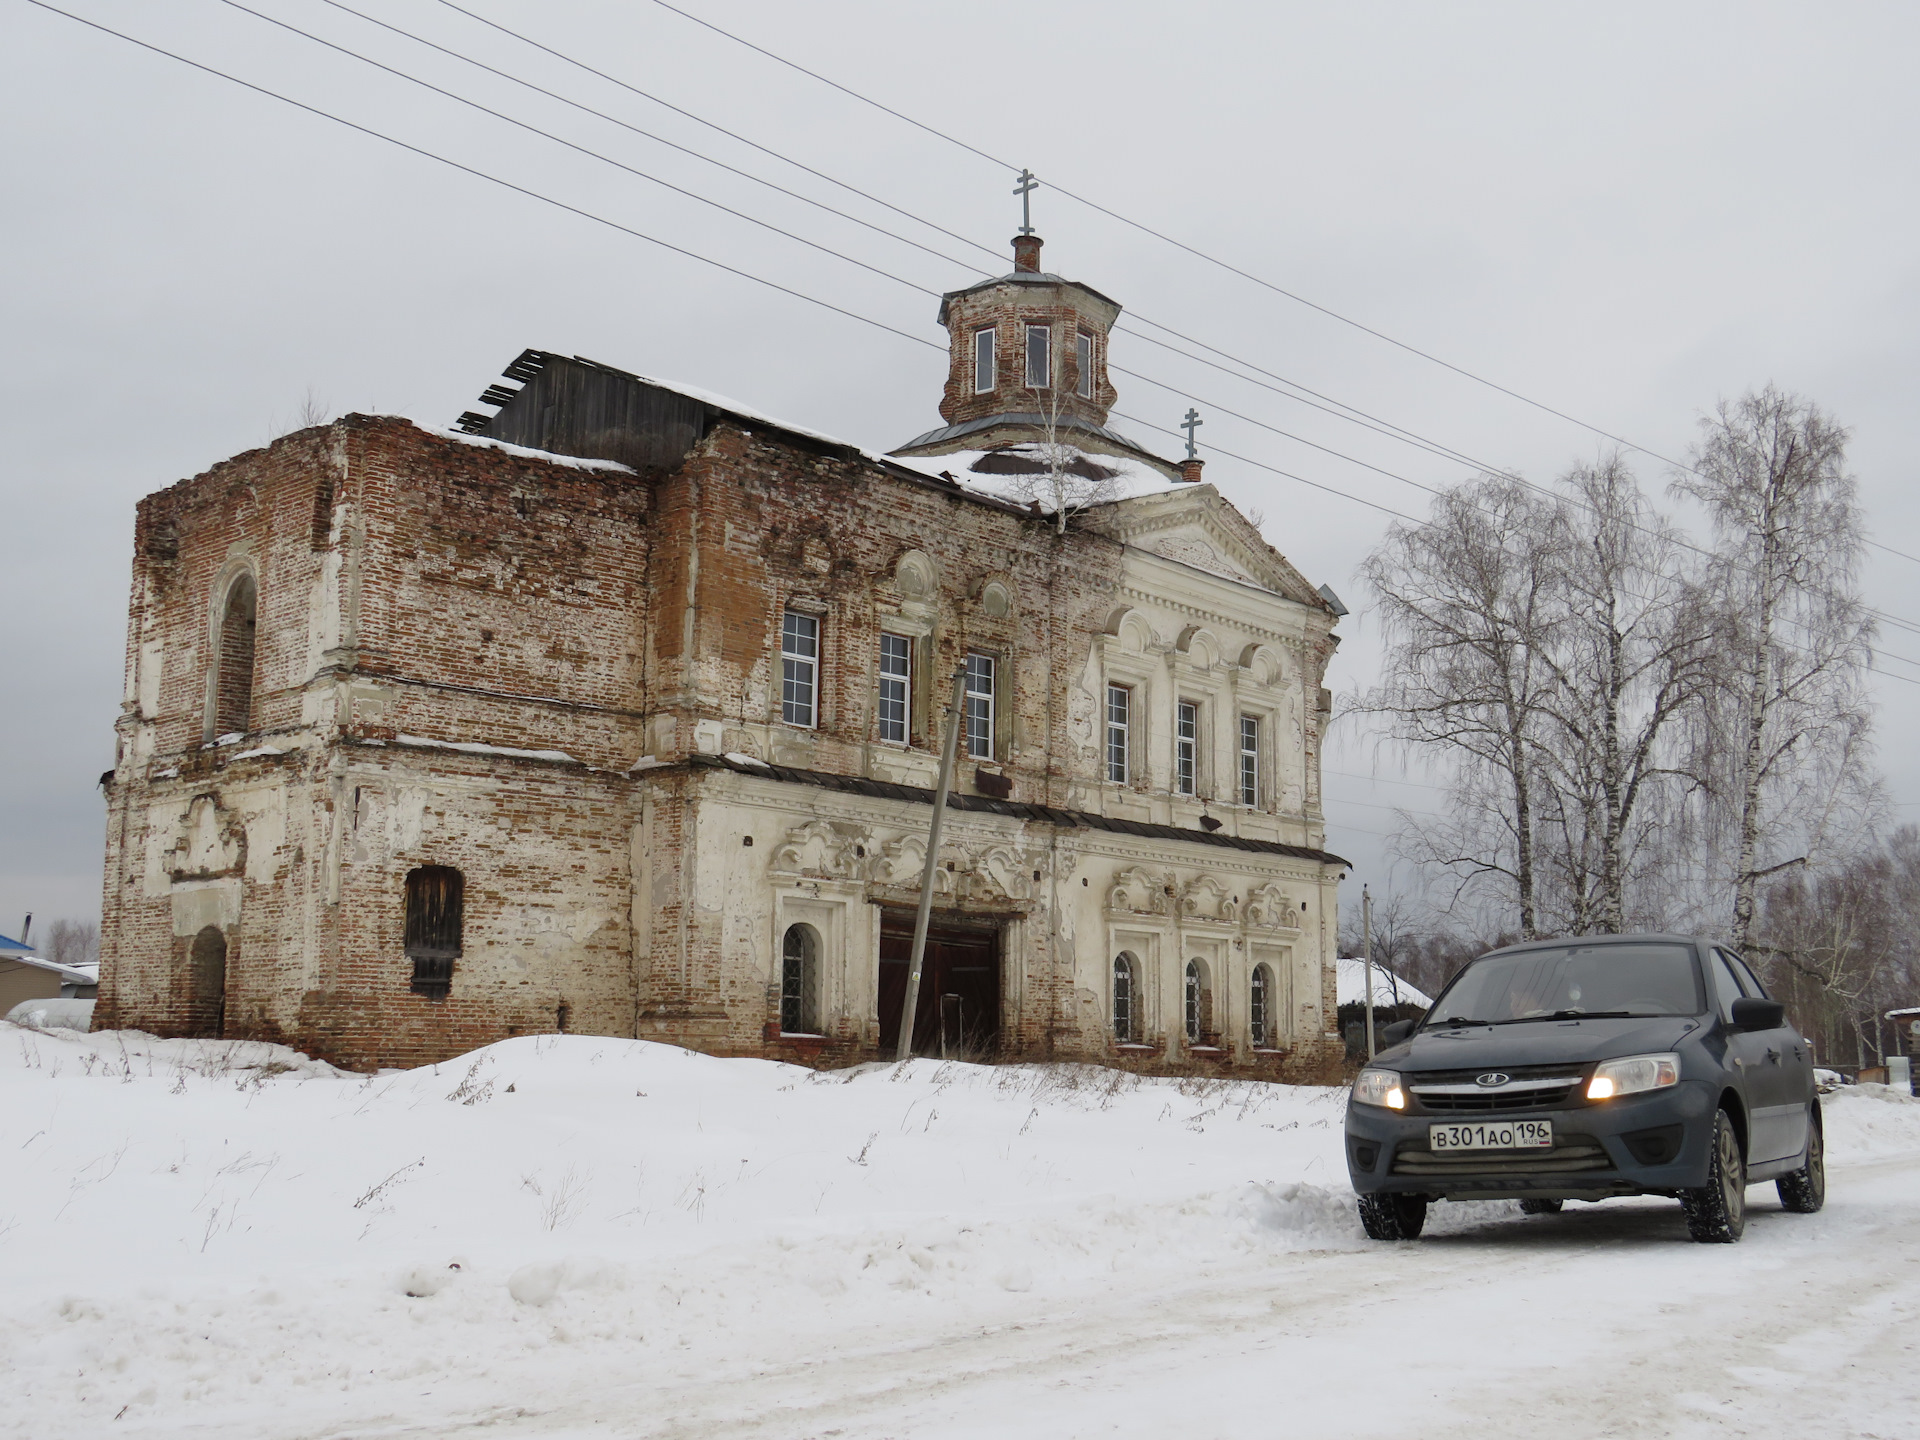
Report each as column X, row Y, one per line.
column 1632, row 1075
column 1379, row 1087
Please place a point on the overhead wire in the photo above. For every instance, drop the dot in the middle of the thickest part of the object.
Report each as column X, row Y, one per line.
column 1199, row 254
column 680, row 250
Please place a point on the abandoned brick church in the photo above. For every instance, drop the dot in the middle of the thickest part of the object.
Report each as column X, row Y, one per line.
column 618, row 711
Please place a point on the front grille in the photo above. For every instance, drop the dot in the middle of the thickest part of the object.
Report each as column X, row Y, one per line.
column 1571, row 1154
column 1530, row 1087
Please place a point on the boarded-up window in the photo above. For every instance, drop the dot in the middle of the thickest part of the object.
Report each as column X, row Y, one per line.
column 233, row 688
column 435, row 916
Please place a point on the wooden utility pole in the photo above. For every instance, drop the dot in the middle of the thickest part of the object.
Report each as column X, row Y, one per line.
column 910, row 1006
column 1366, row 951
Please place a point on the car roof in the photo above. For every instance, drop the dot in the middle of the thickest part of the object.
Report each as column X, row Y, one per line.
column 1639, row 938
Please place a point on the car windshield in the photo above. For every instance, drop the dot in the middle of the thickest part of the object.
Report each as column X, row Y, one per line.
column 1572, row 981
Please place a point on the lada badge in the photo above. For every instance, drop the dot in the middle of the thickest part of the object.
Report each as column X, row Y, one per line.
column 1490, row 1079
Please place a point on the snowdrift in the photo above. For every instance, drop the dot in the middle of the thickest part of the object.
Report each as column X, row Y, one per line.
column 224, row 1235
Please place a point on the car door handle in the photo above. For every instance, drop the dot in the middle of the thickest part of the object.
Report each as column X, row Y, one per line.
column 1773, row 1057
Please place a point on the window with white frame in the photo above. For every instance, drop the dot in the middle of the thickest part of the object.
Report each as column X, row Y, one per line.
column 1250, row 760
column 1199, row 1002
column 799, row 668
column 983, row 377
column 1083, row 362
column 800, row 981
column 1260, row 1007
column 1126, row 1020
column 980, row 706
column 1186, row 747
column 1119, row 723
column 1039, row 356
column 896, row 687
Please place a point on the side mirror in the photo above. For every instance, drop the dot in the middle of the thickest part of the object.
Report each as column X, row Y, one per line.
column 1750, row 1013
column 1396, row 1032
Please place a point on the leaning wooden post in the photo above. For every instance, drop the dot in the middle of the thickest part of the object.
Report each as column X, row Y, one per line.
column 1366, row 950
column 910, row 1007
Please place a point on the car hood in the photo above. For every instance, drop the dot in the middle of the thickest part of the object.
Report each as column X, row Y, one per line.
column 1536, row 1042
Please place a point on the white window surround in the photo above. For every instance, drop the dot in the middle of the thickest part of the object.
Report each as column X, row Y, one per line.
column 1119, row 742
column 1186, row 748
column 894, row 686
column 1249, row 759
column 1148, row 1005
column 981, row 694
column 799, row 669
column 983, row 360
column 1039, row 355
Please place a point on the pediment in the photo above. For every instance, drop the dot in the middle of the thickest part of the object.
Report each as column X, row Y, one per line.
column 1198, row 527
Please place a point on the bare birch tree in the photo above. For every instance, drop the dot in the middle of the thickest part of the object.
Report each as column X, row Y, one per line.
column 1789, row 731
column 1632, row 661
column 1469, row 605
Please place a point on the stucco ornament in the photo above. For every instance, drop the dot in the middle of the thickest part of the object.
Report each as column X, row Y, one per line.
column 1140, row 891
column 818, row 847
column 1207, row 899
column 1272, row 909
column 210, row 841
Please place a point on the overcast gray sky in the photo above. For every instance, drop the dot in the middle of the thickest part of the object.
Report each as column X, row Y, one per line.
column 1624, row 211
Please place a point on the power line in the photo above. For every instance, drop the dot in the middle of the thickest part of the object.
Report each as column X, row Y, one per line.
column 1366, row 421
column 1199, row 254
column 707, row 260
column 492, row 179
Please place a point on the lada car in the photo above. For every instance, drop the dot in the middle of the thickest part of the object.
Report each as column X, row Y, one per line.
column 1583, row 1069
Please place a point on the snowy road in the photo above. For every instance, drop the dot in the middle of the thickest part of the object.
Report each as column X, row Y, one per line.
column 1604, row 1321
column 561, row 1238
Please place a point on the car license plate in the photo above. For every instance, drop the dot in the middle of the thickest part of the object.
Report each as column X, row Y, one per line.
column 1494, row 1135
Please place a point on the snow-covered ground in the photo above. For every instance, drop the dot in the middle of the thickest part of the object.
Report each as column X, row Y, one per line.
column 567, row 1236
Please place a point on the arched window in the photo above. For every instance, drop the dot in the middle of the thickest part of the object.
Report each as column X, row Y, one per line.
column 1199, row 1004
column 207, row 983
column 1260, row 1007
column 800, row 981
column 233, row 686
column 436, row 918
column 1126, row 1018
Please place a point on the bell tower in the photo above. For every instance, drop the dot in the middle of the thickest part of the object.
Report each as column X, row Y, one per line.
column 1027, row 361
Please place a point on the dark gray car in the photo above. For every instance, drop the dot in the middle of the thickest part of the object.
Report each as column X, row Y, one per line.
column 1582, row 1069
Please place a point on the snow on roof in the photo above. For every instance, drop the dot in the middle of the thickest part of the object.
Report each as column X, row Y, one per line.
column 480, row 442
column 1388, row 988
column 1132, row 479
column 470, row 747
column 9, row 946
column 88, row 974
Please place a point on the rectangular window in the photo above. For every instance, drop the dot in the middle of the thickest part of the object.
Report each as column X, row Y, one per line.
column 1039, row 356
column 1083, row 361
column 799, row 668
column 1119, row 708
column 1249, row 761
column 1186, row 744
column 896, row 687
column 982, row 361
column 980, row 707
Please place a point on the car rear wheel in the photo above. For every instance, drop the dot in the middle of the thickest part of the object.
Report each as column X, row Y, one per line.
column 1541, row 1207
column 1717, row 1211
column 1393, row 1217
column 1805, row 1190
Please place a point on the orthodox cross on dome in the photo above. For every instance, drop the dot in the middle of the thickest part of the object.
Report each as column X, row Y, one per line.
column 1024, row 190
column 1192, row 423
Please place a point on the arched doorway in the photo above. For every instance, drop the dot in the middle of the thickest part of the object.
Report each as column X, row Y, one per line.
column 207, row 983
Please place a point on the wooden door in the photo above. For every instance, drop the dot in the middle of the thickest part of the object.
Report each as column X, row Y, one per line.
column 958, row 1013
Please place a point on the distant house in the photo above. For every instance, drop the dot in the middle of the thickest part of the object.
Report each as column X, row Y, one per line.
column 26, row 976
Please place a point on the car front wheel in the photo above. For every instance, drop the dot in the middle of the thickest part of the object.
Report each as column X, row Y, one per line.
column 1805, row 1190
column 1393, row 1217
column 1717, row 1211
column 1541, row 1207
